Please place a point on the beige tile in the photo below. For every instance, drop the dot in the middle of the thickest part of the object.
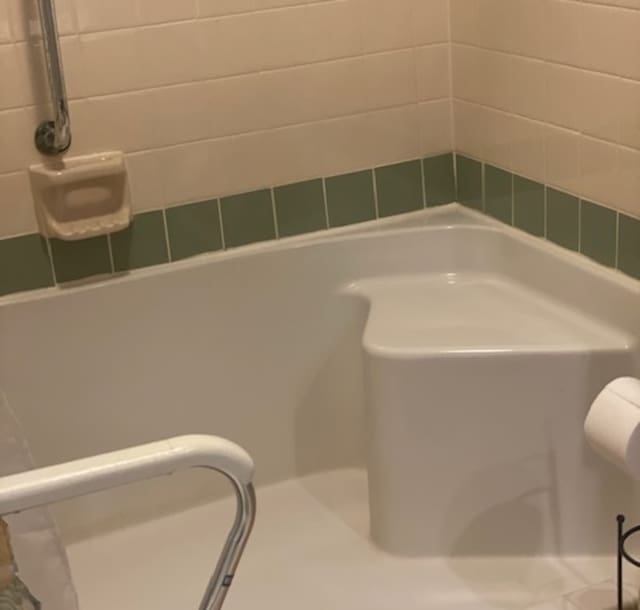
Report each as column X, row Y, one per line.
column 230, row 105
column 433, row 72
column 600, row 105
column 96, row 15
column 189, row 172
column 435, row 127
column 498, row 133
column 629, row 108
column 528, row 151
column 333, row 30
column 17, row 151
column 562, row 85
column 166, row 11
column 628, row 190
column 469, row 122
column 111, row 62
column 464, row 21
column 14, row 68
column 563, row 158
column 145, row 172
column 389, row 79
column 6, row 22
column 528, row 87
column 167, row 54
column 599, row 172
column 430, row 21
column 232, row 45
column 563, row 36
column 386, row 24
column 219, row 8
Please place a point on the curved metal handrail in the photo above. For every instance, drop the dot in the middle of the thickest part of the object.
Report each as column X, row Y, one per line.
column 43, row 486
column 53, row 137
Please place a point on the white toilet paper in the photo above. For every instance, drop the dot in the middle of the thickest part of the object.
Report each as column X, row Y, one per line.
column 613, row 424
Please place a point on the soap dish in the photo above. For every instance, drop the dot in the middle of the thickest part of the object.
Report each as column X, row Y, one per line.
column 81, row 197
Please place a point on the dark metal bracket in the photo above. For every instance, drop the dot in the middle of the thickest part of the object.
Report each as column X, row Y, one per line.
column 623, row 555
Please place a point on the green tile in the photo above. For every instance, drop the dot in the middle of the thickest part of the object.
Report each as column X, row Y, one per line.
column 440, row 186
column 528, row 206
column 75, row 260
column 399, row 188
column 247, row 218
column 598, row 233
column 143, row 244
column 498, row 193
column 629, row 246
column 469, row 182
column 193, row 229
column 300, row 208
column 562, row 219
column 350, row 198
column 24, row 264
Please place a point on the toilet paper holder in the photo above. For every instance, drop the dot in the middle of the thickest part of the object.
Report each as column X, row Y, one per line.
column 623, row 555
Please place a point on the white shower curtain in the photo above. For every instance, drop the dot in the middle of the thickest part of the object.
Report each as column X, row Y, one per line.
column 39, row 553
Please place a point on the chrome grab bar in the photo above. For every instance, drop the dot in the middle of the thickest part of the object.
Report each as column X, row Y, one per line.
column 42, row 486
column 53, row 137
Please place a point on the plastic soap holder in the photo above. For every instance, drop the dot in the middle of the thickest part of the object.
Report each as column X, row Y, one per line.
column 81, row 197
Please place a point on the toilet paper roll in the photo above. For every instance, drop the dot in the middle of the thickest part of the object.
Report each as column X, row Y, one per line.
column 612, row 426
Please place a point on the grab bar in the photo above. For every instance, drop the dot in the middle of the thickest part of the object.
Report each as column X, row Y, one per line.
column 42, row 486
column 53, row 137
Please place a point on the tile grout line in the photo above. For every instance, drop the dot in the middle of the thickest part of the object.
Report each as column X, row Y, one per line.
column 326, row 202
column 483, row 186
column 423, row 184
column 222, row 237
column 546, row 212
column 513, row 205
column 166, row 234
column 274, row 212
column 617, row 252
column 580, row 203
column 110, row 249
column 51, row 264
column 375, row 192
column 455, row 174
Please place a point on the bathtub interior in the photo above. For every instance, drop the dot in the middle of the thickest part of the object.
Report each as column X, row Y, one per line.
column 265, row 346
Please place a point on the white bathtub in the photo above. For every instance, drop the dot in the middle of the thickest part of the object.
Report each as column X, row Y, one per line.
column 278, row 348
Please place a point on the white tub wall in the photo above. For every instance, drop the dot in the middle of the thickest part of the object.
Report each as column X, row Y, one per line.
column 261, row 346
column 193, row 347
column 249, row 93
column 484, row 455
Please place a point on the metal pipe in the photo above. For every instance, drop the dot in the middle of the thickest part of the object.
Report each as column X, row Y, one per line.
column 42, row 486
column 221, row 580
column 53, row 137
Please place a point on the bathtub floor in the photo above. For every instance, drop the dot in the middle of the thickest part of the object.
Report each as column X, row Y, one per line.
column 307, row 553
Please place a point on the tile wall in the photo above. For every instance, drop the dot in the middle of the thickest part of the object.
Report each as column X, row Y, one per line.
column 550, row 89
column 275, row 111
column 209, row 98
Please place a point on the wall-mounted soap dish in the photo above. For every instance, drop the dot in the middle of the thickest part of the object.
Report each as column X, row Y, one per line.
column 81, row 197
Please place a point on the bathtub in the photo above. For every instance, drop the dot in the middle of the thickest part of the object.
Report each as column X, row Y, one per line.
column 411, row 390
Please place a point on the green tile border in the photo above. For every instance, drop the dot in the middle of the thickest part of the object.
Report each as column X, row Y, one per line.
column 603, row 234
column 160, row 236
column 30, row 267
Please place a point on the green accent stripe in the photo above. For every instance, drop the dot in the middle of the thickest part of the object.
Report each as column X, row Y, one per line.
column 180, row 232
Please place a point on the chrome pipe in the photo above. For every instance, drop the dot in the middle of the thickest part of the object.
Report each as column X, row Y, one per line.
column 53, row 137
column 221, row 580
